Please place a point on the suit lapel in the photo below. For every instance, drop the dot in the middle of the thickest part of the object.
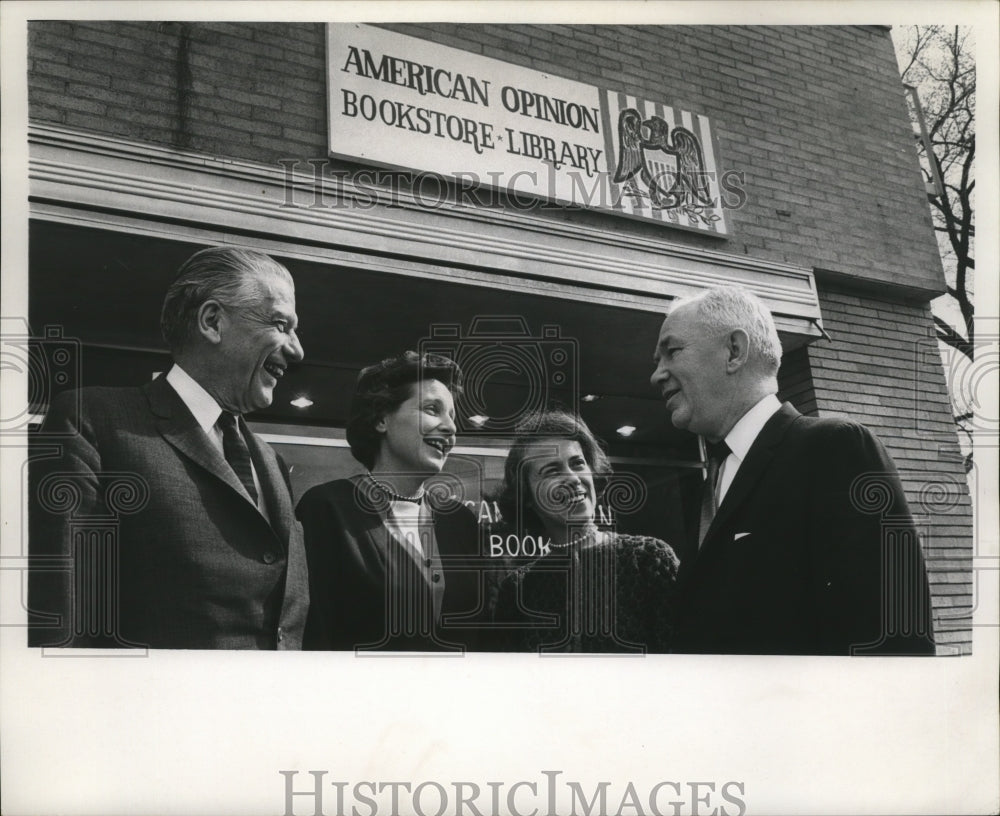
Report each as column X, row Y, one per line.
column 369, row 524
column 272, row 483
column 756, row 463
column 389, row 549
column 179, row 428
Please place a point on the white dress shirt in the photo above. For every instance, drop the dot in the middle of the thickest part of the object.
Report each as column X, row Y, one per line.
column 743, row 434
column 207, row 412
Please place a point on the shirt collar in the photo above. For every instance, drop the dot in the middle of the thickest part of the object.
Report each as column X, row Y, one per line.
column 746, row 431
column 406, row 510
column 199, row 402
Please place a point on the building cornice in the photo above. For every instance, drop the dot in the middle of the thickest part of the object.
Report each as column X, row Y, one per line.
column 101, row 176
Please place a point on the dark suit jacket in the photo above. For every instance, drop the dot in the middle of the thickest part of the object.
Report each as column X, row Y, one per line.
column 368, row 593
column 813, row 551
column 162, row 527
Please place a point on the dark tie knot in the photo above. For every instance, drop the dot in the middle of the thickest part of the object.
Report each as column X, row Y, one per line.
column 717, row 451
column 228, row 421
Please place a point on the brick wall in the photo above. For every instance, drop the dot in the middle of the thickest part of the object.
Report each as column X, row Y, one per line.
column 883, row 368
column 250, row 91
column 795, row 381
column 813, row 115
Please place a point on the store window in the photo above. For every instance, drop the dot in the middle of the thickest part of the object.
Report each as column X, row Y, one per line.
column 101, row 290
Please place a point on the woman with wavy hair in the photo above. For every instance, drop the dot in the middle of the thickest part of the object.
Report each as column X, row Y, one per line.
column 591, row 590
column 386, row 548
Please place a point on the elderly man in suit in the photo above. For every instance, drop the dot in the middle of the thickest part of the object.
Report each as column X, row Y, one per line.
column 805, row 542
column 205, row 551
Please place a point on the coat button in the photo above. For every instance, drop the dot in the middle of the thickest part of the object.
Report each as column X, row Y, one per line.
column 270, row 558
column 281, row 634
column 427, row 562
column 436, row 577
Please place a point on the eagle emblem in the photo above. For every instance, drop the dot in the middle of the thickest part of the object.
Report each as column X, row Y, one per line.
column 670, row 163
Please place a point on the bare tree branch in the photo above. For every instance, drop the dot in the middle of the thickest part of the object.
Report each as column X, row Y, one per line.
column 946, row 334
column 939, row 62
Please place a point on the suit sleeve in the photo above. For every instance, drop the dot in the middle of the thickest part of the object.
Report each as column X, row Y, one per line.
column 319, row 520
column 871, row 581
column 64, row 483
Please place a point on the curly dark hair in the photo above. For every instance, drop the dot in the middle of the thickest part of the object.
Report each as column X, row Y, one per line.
column 383, row 387
column 514, row 495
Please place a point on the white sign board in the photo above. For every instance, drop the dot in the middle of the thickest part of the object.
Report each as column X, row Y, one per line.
column 403, row 102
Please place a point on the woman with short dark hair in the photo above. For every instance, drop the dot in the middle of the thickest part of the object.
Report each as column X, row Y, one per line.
column 385, row 548
column 591, row 590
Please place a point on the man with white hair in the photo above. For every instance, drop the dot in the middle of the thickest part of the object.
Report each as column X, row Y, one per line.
column 805, row 542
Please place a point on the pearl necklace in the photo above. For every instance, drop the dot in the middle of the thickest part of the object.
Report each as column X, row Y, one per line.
column 416, row 498
column 580, row 540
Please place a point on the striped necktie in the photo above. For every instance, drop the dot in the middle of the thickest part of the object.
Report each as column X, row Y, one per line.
column 237, row 453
